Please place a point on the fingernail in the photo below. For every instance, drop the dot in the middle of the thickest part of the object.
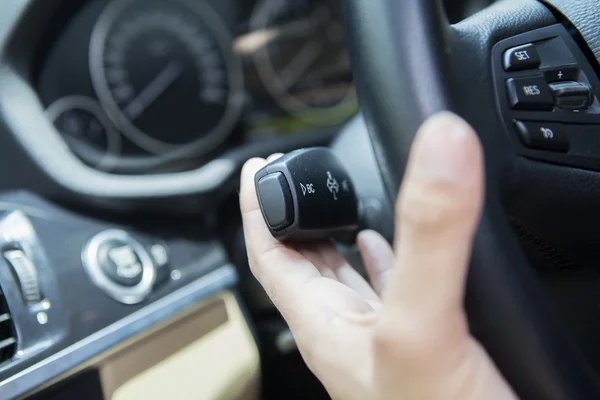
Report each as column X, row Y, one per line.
column 446, row 149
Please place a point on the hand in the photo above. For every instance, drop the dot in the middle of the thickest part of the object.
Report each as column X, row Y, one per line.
column 407, row 337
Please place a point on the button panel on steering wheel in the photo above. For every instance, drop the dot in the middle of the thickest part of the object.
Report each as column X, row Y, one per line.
column 549, row 97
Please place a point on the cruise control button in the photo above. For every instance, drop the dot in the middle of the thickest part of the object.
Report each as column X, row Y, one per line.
column 530, row 93
column 572, row 95
column 543, row 136
column 522, row 57
column 562, row 74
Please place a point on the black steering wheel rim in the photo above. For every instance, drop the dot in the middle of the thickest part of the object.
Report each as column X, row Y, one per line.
column 409, row 63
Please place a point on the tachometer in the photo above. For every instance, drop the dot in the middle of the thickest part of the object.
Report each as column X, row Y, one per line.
column 301, row 56
column 165, row 73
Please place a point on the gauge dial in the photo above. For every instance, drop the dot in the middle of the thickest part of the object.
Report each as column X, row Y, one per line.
column 303, row 61
column 87, row 130
column 166, row 75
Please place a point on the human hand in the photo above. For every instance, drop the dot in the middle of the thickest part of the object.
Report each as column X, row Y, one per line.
column 407, row 336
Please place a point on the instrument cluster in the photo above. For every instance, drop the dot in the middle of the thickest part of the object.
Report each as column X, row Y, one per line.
column 142, row 85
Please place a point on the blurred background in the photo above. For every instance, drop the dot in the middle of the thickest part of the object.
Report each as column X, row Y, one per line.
column 151, row 86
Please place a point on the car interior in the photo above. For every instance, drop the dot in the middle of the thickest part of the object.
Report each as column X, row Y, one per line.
column 124, row 125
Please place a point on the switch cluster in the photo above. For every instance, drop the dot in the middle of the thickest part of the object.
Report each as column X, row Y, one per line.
column 559, row 88
column 548, row 94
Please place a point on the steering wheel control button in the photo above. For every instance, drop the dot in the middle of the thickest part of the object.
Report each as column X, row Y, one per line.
column 276, row 200
column 322, row 202
column 562, row 74
column 26, row 274
column 530, row 93
column 120, row 266
column 543, row 136
column 521, row 58
column 572, row 95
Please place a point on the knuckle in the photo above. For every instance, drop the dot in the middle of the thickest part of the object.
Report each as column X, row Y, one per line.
column 259, row 262
column 434, row 206
column 254, row 268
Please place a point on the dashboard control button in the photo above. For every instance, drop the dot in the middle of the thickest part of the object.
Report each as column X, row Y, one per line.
column 275, row 196
column 522, row 57
column 572, row 95
column 120, row 266
column 160, row 256
column 26, row 274
column 530, row 93
column 562, row 74
column 543, row 136
column 120, row 262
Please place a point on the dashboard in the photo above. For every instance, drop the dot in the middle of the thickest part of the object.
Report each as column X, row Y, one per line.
column 124, row 125
column 154, row 86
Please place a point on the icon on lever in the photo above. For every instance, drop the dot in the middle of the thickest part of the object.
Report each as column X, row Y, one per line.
column 332, row 185
column 300, row 197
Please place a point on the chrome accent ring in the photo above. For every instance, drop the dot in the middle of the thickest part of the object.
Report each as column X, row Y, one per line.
column 123, row 294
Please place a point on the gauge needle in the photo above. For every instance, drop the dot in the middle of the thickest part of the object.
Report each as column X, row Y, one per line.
column 300, row 64
column 154, row 89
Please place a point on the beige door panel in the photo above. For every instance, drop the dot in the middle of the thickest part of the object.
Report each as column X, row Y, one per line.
column 208, row 355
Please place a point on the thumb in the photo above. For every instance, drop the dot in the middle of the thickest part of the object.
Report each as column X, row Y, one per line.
column 437, row 214
column 422, row 341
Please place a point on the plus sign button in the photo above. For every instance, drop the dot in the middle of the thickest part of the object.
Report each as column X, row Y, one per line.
column 562, row 74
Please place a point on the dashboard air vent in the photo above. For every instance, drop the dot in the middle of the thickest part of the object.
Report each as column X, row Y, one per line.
column 8, row 338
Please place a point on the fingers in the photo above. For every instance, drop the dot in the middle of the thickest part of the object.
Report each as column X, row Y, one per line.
column 436, row 217
column 274, row 157
column 331, row 264
column 308, row 301
column 278, row 268
column 378, row 257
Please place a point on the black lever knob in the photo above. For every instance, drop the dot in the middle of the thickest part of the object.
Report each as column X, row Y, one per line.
column 307, row 195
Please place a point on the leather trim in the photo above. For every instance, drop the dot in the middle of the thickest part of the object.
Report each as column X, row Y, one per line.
column 585, row 16
column 395, row 106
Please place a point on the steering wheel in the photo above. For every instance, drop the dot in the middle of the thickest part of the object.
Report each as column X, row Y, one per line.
column 410, row 63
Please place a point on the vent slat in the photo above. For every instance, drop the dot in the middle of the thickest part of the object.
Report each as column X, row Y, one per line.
column 4, row 317
column 8, row 339
column 7, row 342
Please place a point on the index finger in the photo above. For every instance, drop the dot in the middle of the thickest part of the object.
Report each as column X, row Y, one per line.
column 279, row 268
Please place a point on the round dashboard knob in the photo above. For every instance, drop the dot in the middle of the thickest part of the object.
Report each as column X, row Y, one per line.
column 120, row 266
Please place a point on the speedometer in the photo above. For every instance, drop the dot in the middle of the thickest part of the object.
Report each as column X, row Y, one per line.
column 166, row 75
